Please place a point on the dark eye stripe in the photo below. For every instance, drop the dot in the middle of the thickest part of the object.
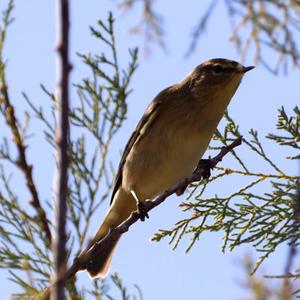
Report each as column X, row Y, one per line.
column 221, row 69
column 230, row 70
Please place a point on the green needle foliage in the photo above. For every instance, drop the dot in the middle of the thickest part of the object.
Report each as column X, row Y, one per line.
column 261, row 211
column 95, row 118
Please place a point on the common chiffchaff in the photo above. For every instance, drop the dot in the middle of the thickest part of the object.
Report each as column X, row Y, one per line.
column 167, row 143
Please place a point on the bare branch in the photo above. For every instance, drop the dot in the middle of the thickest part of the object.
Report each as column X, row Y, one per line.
column 114, row 234
column 61, row 141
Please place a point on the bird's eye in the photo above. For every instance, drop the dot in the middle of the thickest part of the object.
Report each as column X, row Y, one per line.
column 217, row 69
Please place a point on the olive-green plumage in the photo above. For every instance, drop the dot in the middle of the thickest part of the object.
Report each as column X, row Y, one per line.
column 167, row 143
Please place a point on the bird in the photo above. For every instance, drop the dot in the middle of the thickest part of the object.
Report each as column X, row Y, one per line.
column 167, row 144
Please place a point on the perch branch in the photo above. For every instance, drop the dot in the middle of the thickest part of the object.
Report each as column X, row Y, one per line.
column 80, row 263
column 114, row 234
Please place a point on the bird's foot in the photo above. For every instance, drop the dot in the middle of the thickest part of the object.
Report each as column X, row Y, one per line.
column 142, row 211
column 206, row 165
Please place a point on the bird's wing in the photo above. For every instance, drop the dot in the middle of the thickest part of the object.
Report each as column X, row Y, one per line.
column 140, row 131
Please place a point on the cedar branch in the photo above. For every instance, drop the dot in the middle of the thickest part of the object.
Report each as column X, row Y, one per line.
column 22, row 163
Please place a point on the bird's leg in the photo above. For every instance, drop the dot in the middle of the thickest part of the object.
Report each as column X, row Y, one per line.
column 140, row 207
column 206, row 165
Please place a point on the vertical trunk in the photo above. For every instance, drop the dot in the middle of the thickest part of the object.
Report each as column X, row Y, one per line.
column 61, row 141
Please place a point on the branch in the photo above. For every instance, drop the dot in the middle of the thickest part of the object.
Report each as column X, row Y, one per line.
column 114, row 234
column 22, row 163
column 61, row 142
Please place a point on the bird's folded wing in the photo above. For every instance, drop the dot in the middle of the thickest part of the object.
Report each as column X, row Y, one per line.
column 140, row 131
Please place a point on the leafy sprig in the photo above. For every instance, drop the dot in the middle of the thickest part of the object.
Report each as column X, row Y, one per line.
column 260, row 212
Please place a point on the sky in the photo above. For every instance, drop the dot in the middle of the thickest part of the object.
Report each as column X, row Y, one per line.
column 205, row 272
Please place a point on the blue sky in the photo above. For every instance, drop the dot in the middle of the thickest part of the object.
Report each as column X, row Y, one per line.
column 204, row 273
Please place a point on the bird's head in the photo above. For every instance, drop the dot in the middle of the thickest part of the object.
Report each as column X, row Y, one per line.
column 216, row 76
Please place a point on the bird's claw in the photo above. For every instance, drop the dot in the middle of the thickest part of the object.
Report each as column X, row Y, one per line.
column 206, row 165
column 142, row 211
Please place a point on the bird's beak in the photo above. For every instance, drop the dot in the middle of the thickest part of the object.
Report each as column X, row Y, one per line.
column 246, row 69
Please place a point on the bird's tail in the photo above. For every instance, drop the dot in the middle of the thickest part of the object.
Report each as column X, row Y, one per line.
column 122, row 206
column 99, row 266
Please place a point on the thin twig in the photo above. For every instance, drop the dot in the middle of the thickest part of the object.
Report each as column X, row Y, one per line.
column 22, row 162
column 61, row 141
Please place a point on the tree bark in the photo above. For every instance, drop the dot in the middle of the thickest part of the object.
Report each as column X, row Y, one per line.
column 61, row 141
